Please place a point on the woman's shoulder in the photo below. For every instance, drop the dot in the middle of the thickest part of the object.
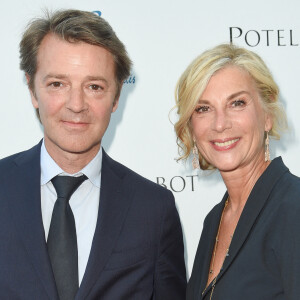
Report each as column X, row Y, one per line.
column 286, row 191
column 279, row 177
column 288, row 182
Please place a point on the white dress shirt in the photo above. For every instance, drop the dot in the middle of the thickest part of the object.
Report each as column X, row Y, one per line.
column 84, row 202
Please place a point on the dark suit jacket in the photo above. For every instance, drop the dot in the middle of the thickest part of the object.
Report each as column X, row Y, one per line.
column 137, row 250
column 264, row 255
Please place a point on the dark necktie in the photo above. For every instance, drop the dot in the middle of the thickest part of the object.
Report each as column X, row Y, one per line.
column 62, row 240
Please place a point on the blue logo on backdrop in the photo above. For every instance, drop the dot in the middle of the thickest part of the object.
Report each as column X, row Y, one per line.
column 130, row 80
column 97, row 12
column 263, row 37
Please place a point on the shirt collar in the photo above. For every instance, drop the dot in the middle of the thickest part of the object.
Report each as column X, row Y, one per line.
column 50, row 169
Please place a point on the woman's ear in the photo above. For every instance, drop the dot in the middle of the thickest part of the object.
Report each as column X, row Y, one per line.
column 268, row 122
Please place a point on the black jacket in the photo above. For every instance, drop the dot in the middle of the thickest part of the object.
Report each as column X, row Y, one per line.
column 137, row 249
column 264, row 255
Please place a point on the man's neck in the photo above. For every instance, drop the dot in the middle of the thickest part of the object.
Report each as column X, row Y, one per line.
column 71, row 162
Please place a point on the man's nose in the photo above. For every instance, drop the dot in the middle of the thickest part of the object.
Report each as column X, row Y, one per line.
column 76, row 100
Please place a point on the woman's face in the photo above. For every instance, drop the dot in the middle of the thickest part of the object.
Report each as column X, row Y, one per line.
column 229, row 122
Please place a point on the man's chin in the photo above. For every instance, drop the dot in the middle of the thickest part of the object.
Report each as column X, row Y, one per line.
column 81, row 149
column 74, row 147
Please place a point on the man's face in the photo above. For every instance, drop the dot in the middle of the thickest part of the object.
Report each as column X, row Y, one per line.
column 74, row 90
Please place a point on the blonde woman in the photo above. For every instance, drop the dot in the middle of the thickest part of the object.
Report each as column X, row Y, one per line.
column 249, row 249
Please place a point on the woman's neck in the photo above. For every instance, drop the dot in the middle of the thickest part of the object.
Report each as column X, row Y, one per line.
column 240, row 182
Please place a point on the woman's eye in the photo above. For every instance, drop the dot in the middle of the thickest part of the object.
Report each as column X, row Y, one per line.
column 202, row 109
column 238, row 103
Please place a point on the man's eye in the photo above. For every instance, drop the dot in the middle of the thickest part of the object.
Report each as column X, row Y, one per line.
column 56, row 84
column 238, row 103
column 201, row 109
column 95, row 87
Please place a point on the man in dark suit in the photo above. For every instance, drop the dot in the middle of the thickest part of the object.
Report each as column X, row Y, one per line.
column 128, row 239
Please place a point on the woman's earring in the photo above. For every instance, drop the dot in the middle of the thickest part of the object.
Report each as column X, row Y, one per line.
column 267, row 147
column 195, row 162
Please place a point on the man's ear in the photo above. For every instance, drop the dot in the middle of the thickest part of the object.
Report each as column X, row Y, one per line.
column 115, row 104
column 32, row 94
column 116, row 101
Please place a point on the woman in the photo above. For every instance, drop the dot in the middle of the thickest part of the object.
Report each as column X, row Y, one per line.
column 228, row 107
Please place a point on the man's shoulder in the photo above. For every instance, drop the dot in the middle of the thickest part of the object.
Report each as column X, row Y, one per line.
column 131, row 176
column 19, row 157
column 6, row 161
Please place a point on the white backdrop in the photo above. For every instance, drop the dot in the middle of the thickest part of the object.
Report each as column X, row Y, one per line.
column 162, row 37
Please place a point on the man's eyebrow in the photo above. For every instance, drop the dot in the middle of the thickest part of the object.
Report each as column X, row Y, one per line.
column 52, row 75
column 64, row 76
column 96, row 78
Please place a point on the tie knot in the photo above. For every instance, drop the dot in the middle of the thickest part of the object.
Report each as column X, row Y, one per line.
column 65, row 186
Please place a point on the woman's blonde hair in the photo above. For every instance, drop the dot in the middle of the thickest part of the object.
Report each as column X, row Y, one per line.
column 195, row 78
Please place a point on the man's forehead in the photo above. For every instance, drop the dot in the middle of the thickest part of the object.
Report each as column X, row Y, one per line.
column 55, row 48
column 52, row 40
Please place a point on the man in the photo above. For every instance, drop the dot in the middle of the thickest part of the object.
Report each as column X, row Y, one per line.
column 128, row 238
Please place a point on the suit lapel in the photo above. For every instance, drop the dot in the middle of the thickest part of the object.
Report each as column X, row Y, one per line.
column 115, row 200
column 25, row 201
column 211, row 238
column 254, row 205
